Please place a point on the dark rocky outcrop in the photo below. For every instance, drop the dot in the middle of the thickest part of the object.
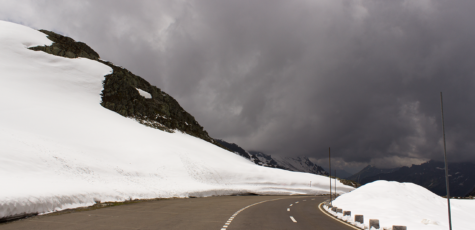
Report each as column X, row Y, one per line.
column 234, row 148
column 266, row 160
column 297, row 164
column 66, row 47
column 349, row 182
column 161, row 111
column 120, row 92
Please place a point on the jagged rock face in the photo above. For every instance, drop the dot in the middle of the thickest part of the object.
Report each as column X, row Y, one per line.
column 298, row 164
column 120, row 92
column 161, row 111
column 313, row 167
column 267, row 160
column 234, row 148
column 66, row 47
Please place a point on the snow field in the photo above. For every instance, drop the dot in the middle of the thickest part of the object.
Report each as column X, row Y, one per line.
column 59, row 148
column 405, row 204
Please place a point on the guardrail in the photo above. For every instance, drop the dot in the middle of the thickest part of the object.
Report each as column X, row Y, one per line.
column 358, row 219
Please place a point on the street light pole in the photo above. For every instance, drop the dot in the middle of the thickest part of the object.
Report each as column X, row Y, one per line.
column 330, row 173
column 446, row 166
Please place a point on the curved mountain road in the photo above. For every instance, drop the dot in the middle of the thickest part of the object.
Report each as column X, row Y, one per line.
column 225, row 212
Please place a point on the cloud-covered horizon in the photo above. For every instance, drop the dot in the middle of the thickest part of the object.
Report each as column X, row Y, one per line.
column 293, row 78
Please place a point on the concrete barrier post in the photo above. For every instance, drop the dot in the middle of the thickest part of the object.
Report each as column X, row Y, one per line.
column 334, row 209
column 339, row 210
column 374, row 223
column 398, row 227
column 359, row 218
column 347, row 213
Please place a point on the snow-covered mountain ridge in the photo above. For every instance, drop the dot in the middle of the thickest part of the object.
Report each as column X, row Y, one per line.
column 61, row 149
column 297, row 164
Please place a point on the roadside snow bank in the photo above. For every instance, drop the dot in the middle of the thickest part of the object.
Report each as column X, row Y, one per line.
column 59, row 148
column 406, row 204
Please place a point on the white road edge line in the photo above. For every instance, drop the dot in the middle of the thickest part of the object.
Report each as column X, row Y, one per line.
column 240, row 210
column 292, row 218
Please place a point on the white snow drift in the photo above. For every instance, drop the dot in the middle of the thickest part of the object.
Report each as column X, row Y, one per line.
column 144, row 93
column 406, row 204
column 59, row 148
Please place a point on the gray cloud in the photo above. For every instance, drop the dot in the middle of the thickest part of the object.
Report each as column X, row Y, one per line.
column 295, row 77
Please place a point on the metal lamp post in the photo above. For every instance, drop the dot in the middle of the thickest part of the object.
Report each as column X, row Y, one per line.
column 446, row 166
column 330, row 173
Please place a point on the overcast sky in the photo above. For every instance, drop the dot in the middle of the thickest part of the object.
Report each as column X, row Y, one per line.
column 293, row 78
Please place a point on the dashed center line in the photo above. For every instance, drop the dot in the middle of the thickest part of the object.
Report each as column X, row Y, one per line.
column 288, row 209
column 291, row 204
column 240, row 210
column 292, row 218
column 297, row 202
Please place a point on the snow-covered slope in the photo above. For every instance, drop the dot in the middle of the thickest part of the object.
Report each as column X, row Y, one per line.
column 59, row 148
column 406, row 204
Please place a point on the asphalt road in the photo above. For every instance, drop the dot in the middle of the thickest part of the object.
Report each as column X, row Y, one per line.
column 250, row 212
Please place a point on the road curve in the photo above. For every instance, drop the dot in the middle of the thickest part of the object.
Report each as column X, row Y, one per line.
column 225, row 212
column 289, row 213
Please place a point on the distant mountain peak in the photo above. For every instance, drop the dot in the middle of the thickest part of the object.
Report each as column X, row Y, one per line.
column 296, row 163
column 430, row 174
column 369, row 171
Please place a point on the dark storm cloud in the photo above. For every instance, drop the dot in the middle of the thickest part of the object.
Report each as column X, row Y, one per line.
column 295, row 77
